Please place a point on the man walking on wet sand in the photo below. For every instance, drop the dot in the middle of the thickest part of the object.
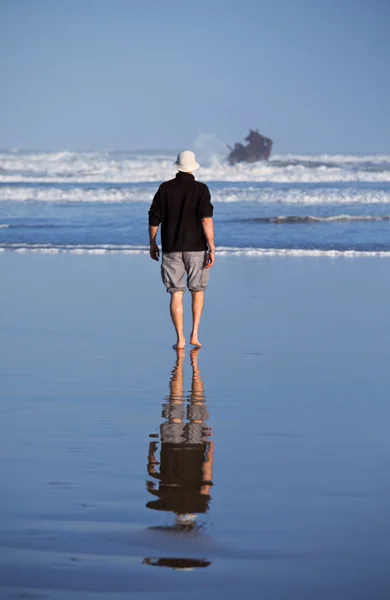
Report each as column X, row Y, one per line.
column 183, row 208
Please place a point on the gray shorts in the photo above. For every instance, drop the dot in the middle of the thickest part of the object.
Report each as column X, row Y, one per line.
column 175, row 265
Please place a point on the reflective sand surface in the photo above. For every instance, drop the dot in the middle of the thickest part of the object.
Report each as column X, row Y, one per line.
column 256, row 467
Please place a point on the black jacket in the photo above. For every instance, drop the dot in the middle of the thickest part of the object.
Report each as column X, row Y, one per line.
column 180, row 205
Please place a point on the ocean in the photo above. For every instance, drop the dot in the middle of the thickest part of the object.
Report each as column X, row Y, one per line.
column 97, row 202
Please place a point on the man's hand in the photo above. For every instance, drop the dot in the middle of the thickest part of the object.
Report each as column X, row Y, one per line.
column 210, row 259
column 154, row 251
column 208, row 230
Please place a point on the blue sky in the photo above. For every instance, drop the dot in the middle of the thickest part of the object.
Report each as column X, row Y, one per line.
column 124, row 74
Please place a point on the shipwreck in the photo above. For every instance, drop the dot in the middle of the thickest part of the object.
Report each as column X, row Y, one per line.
column 259, row 147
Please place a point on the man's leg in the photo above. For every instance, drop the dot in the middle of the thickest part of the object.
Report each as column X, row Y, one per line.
column 173, row 273
column 197, row 280
column 197, row 309
column 177, row 314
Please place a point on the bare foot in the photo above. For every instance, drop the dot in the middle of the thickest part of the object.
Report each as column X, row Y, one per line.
column 195, row 342
column 180, row 344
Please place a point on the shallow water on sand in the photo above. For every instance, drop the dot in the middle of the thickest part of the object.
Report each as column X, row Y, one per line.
column 257, row 466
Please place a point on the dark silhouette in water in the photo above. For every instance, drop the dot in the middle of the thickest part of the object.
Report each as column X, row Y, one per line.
column 178, row 564
column 258, row 148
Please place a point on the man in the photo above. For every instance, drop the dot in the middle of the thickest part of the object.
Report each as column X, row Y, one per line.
column 183, row 208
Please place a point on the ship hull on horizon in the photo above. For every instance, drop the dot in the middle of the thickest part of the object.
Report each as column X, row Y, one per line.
column 258, row 148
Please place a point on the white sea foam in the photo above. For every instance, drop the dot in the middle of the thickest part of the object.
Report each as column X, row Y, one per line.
column 296, row 252
column 221, row 251
column 308, row 219
column 75, row 248
column 115, row 167
column 342, row 159
column 75, row 194
column 266, row 195
column 302, row 196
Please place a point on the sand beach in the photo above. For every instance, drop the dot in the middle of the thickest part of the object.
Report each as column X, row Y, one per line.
column 290, row 403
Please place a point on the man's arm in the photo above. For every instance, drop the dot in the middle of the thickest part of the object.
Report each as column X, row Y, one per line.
column 206, row 212
column 154, row 222
column 208, row 230
column 154, row 250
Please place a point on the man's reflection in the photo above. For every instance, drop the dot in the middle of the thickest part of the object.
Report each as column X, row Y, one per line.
column 186, row 453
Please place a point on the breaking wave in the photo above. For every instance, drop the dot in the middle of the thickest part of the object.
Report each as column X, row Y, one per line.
column 293, row 219
column 66, row 226
column 221, row 251
column 230, row 194
column 122, row 167
column 75, row 248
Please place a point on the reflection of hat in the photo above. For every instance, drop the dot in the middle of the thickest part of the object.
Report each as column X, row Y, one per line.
column 186, row 519
column 179, row 564
column 186, row 162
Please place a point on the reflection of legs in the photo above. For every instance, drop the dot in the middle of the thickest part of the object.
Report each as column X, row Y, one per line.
column 197, row 309
column 177, row 315
column 197, row 390
column 198, row 405
column 172, row 429
column 197, row 414
column 176, row 384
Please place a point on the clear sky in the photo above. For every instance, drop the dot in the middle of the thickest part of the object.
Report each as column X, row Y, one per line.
column 128, row 74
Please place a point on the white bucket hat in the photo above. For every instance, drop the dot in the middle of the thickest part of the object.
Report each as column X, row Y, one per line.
column 186, row 162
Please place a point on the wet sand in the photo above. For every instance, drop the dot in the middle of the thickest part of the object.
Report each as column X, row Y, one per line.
column 276, row 431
